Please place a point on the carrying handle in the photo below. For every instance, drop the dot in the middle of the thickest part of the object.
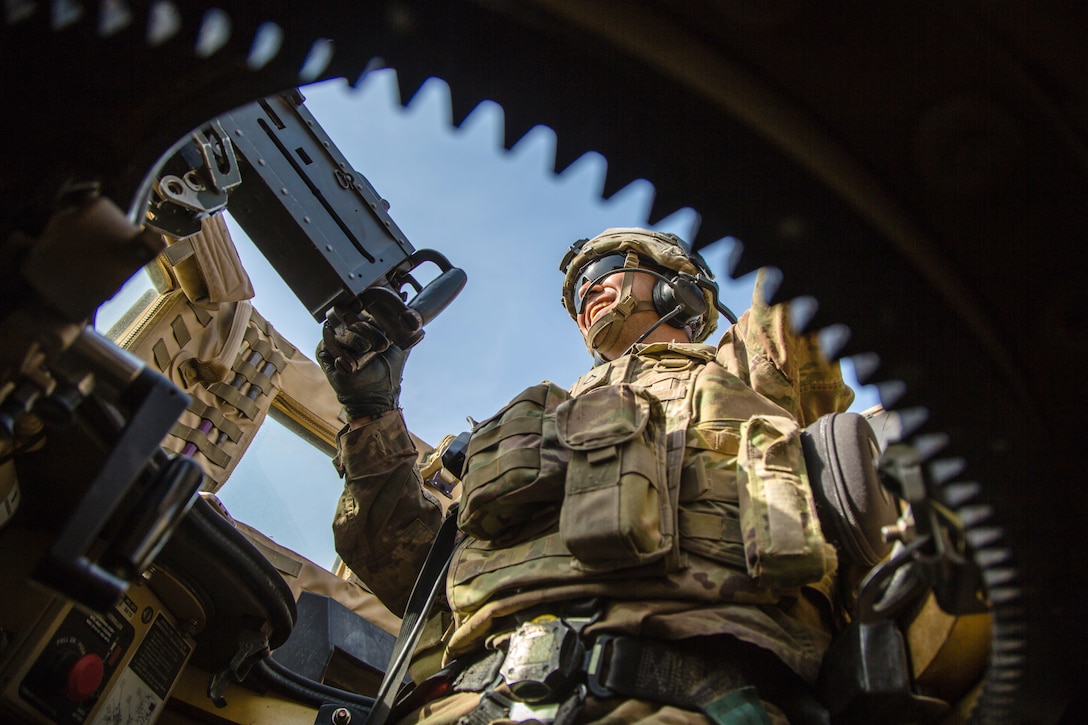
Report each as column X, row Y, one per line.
column 386, row 309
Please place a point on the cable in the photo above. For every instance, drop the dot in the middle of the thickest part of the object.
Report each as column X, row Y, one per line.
column 308, row 691
column 660, row 321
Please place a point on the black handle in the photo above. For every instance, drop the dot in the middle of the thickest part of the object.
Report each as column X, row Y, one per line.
column 403, row 323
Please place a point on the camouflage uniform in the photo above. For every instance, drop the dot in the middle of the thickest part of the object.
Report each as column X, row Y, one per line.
column 789, row 369
column 695, row 585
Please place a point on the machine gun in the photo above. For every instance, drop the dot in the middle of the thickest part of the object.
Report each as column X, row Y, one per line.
column 319, row 223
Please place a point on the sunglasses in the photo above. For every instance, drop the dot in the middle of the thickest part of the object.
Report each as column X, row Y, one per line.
column 595, row 271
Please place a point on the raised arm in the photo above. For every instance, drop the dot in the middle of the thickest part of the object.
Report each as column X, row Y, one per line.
column 788, row 368
column 385, row 520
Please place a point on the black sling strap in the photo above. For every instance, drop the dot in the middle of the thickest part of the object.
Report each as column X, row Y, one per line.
column 430, row 580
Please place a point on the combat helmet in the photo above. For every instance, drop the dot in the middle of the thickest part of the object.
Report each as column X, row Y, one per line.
column 684, row 296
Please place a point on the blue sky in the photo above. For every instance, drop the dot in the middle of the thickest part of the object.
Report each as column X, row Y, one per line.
column 506, row 219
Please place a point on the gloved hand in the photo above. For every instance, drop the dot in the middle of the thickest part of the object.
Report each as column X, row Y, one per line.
column 374, row 386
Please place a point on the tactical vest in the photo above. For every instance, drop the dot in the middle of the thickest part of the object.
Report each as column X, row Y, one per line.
column 660, row 476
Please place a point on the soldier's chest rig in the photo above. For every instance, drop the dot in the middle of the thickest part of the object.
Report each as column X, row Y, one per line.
column 621, row 488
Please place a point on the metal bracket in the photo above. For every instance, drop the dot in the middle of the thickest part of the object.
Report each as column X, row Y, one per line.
column 251, row 647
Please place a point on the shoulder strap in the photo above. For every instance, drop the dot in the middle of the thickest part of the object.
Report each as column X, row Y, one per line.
column 430, row 580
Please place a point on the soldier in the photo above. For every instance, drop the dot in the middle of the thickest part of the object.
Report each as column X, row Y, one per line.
column 643, row 546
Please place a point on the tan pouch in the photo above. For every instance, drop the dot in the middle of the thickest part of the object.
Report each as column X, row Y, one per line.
column 709, row 514
column 248, row 367
column 783, row 544
column 207, row 265
column 514, row 467
column 616, row 511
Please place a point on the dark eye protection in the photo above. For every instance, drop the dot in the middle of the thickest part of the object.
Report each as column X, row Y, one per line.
column 594, row 272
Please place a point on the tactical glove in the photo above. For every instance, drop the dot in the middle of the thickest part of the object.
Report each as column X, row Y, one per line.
column 369, row 383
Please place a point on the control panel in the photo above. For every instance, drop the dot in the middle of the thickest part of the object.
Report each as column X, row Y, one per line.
column 60, row 663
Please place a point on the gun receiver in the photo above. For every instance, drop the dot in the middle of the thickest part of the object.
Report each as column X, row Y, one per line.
column 319, row 223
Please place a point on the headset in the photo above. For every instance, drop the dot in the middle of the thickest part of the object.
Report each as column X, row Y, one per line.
column 678, row 299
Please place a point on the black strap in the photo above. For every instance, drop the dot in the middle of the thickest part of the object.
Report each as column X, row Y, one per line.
column 430, row 580
column 723, row 678
column 660, row 672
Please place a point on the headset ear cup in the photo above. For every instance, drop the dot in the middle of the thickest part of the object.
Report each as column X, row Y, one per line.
column 664, row 298
column 683, row 291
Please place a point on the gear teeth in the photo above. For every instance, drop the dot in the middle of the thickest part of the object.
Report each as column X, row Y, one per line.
column 409, row 83
column 538, row 136
column 695, row 229
column 16, row 11
column 866, row 365
column 910, row 419
column 1005, row 595
column 462, row 106
column 374, row 64
column 833, row 339
column 993, row 556
column 658, row 213
column 709, row 231
column 214, row 33
column 982, row 537
column 976, row 515
column 891, row 391
column 317, row 60
column 772, row 285
column 1007, row 681
column 163, row 22
column 619, row 174
column 739, row 262
column 566, row 153
column 790, row 290
column 745, row 260
column 958, row 494
column 267, row 42
column 515, row 126
column 945, row 469
column 65, row 13
column 613, row 182
column 929, row 444
column 1000, row 577
column 113, row 17
column 664, row 204
column 802, row 312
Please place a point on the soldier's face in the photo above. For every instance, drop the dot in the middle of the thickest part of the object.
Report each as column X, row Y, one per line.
column 605, row 295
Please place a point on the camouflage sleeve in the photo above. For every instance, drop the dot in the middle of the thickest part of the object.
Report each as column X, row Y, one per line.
column 762, row 350
column 385, row 520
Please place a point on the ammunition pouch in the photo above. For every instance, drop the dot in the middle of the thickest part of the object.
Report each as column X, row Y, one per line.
column 616, row 510
column 783, row 543
column 709, row 515
column 514, row 467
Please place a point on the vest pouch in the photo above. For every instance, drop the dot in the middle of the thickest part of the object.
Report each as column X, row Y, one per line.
column 514, row 467
column 207, row 265
column 616, row 510
column 783, row 544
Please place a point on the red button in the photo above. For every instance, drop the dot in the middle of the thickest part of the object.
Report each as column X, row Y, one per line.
column 85, row 677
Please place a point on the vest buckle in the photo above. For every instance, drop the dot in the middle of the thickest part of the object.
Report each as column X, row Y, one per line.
column 543, row 659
